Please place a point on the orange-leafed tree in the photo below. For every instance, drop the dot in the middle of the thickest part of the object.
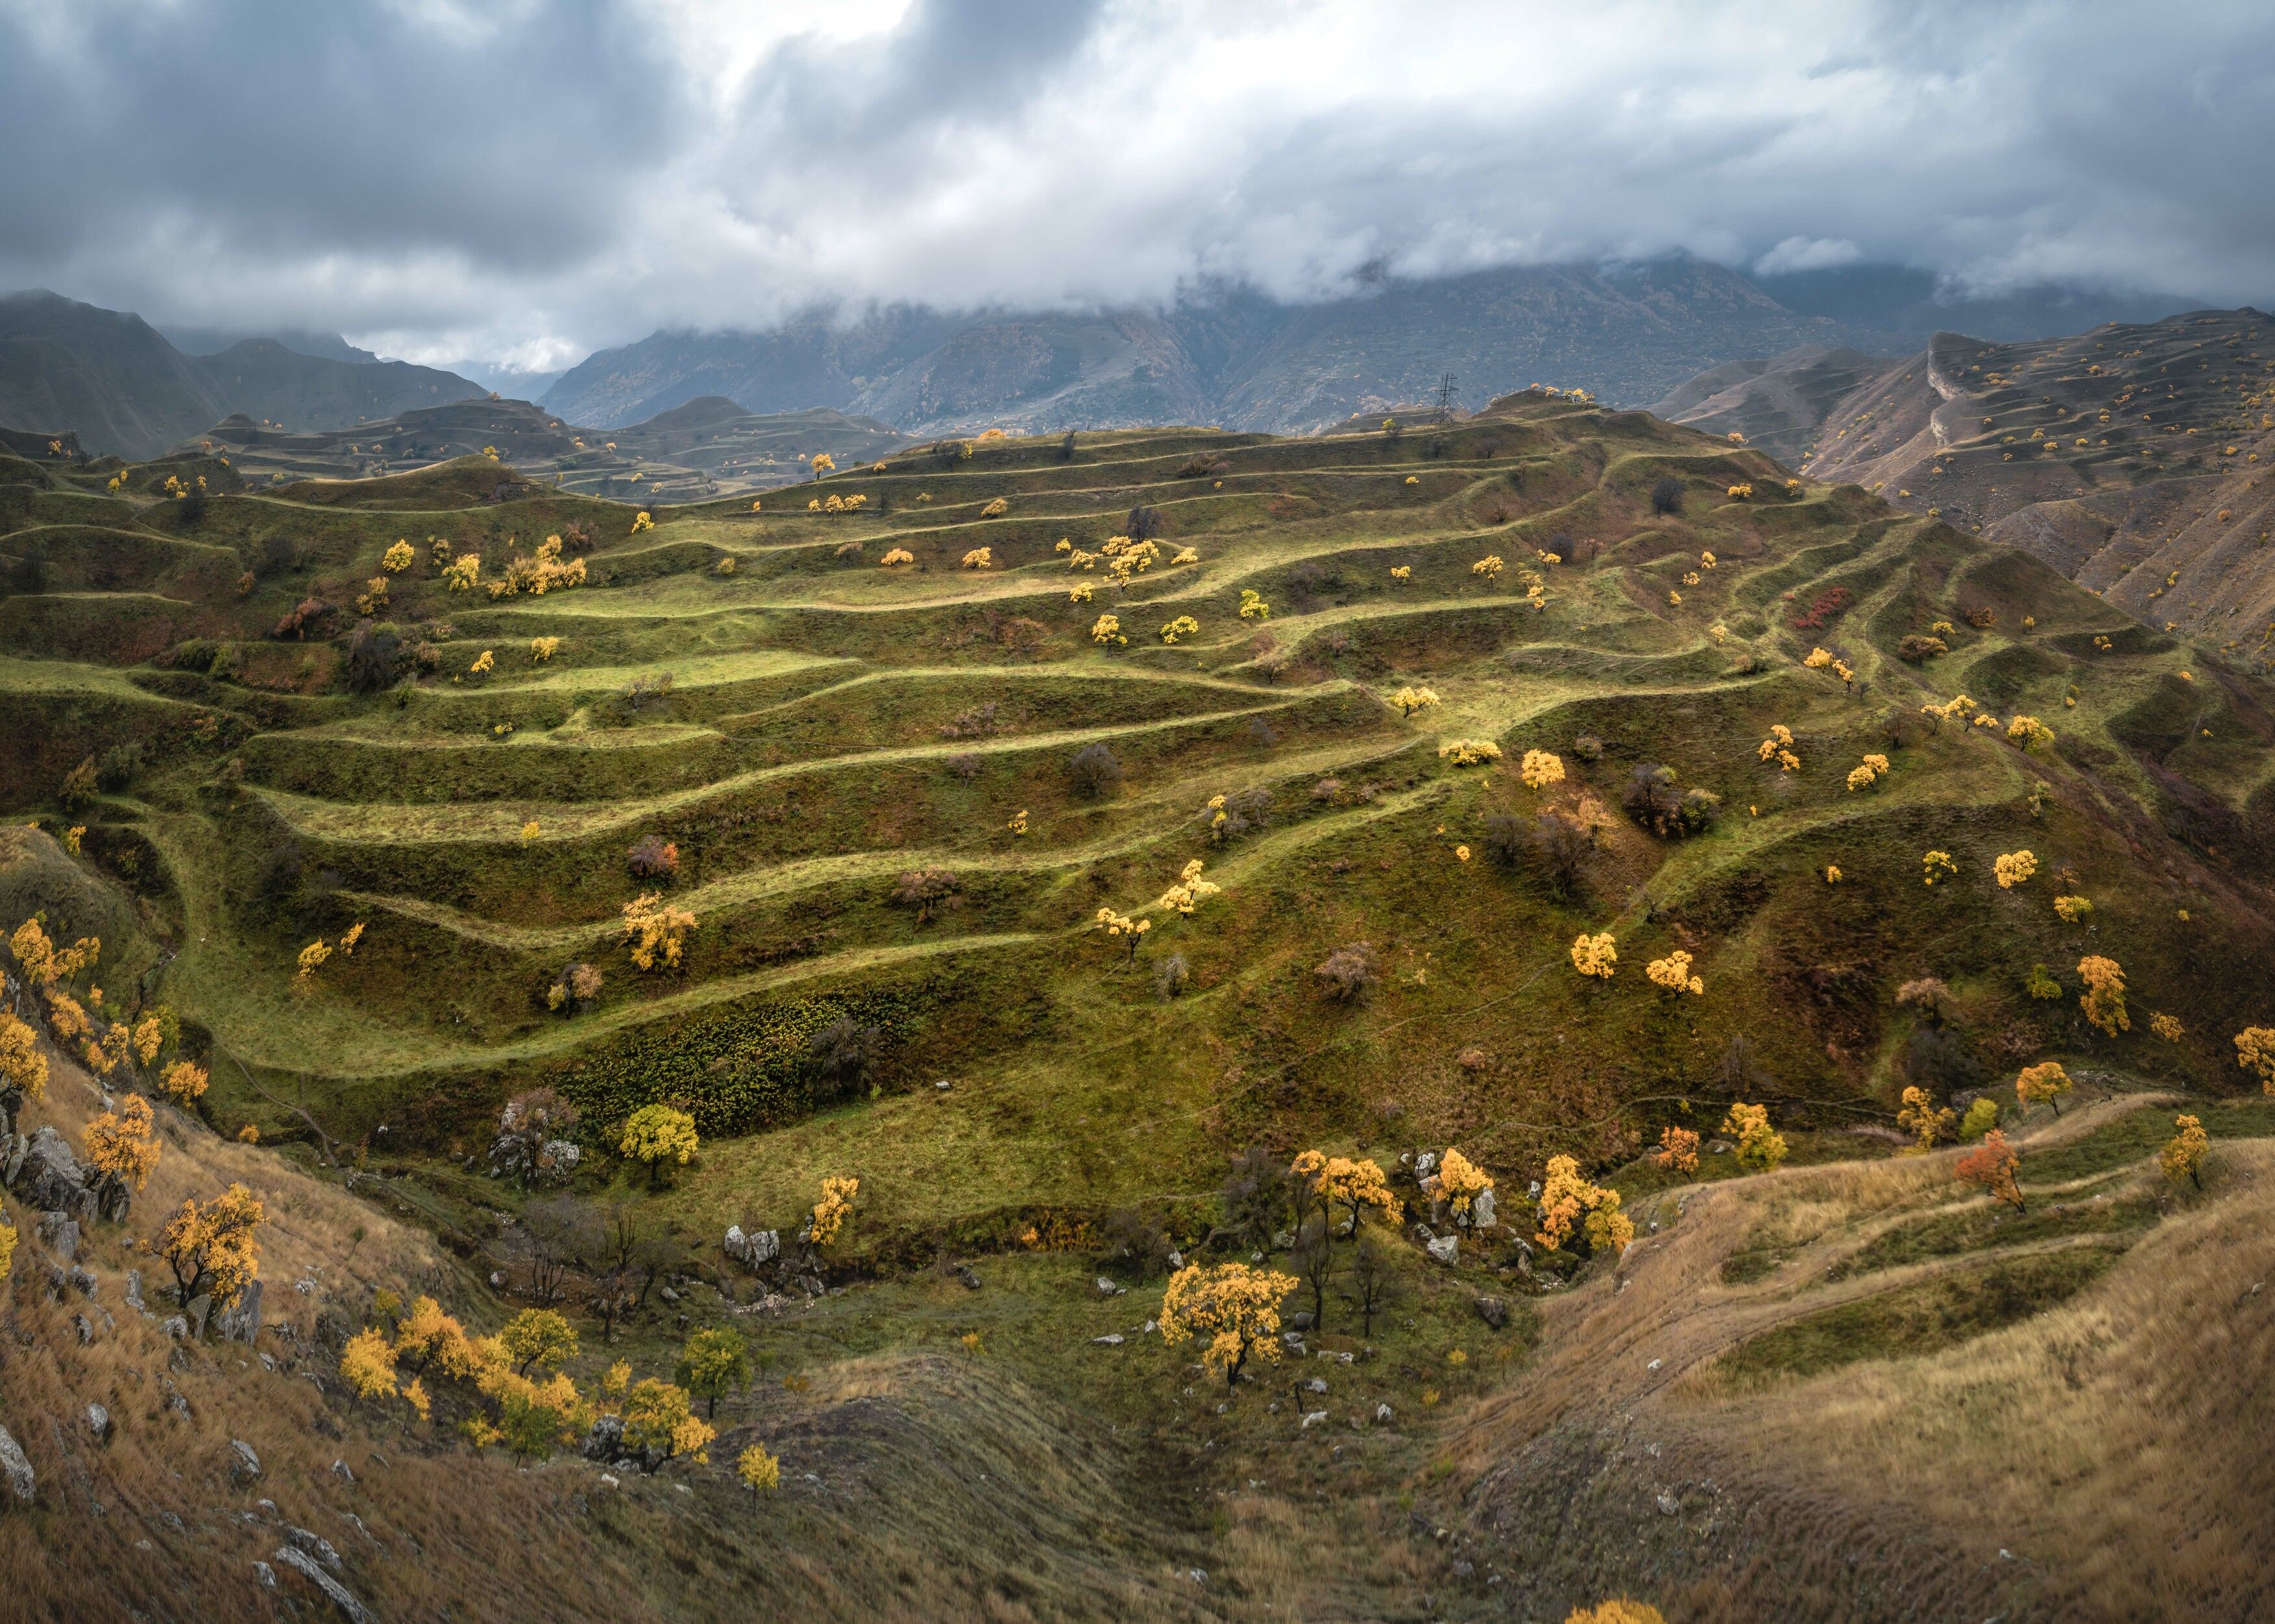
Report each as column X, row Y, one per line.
column 1994, row 1167
column 1677, row 1152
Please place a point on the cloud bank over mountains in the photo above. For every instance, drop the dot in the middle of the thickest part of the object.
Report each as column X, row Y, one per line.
column 528, row 180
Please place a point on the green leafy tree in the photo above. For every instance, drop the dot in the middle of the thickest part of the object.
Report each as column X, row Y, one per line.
column 713, row 1362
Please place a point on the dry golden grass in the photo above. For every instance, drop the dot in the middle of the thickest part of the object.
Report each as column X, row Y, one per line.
column 2110, row 1442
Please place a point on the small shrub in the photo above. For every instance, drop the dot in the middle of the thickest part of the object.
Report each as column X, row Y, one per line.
column 1348, row 973
column 653, row 857
column 1656, row 801
column 1093, row 772
column 1667, row 495
column 1171, row 975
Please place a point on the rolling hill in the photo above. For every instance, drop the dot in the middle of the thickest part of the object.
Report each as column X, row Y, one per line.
column 706, row 449
column 2133, row 458
column 1429, row 711
column 112, row 379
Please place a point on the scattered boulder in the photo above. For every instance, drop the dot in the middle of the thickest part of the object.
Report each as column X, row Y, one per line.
column 316, row 1545
column 337, row 1593
column 113, row 1198
column 83, row 1328
column 969, row 1275
column 267, row 1574
column 59, row 1233
column 605, row 1440
column 1316, row 1385
column 1445, row 1248
column 17, row 1468
column 340, row 1470
column 1493, row 1311
column 50, row 1177
column 1317, row 1415
column 1112, row 1339
column 240, row 1321
column 99, row 1423
column 1382, row 1412
column 81, row 1282
column 134, row 1292
column 243, row 1461
column 1481, row 1211
column 176, row 1326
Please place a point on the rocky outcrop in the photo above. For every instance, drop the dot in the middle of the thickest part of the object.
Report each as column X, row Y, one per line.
column 16, row 1467
column 47, row 1177
column 751, row 1250
column 240, row 1321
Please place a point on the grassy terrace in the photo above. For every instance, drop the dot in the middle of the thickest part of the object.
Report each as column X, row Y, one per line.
column 830, row 723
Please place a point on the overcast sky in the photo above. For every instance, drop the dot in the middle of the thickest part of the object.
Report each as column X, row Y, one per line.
column 522, row 181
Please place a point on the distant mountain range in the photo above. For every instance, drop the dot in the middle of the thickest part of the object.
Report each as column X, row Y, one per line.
column 1230, row 357
column 2132, row 457
column 116, row 383
column 1224, row 355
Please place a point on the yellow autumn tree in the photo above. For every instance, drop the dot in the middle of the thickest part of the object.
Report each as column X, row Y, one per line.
column 183, row 1083
column 540, row 1337
column 656, row 1134
column 1460, row 1181
column 1354, row 1183
column 2255, row 1052
column 1677, row 1152
column 2103, row 998
column 758, row 1471
column 1407, row 702
column 2183, row 1156
column 397, row 559
column 2046, row 1081
column 1619, row 1609
column 1540, row 768
column 1673, row 972
column 1596, row 956
column 367, row 1364
column 1759, row 1147
column 658, row 1418
column 23, row 1066
column 1189, row 891
column 831, row 1211
column 1569, row 1204
column 2013, row 868
column 1235, row 1307
column 653, row 930
column 121, row 1142
column 1926, row 1121
column 214, row 1250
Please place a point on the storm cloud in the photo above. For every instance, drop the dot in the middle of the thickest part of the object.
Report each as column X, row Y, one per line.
column 526, row 180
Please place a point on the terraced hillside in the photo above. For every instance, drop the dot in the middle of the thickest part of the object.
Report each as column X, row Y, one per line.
column 902, row 763
column 706, row 449
column 2135, row 460
column 807, row 723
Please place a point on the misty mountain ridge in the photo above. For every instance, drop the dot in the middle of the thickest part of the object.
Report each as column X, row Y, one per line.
column 115, row 381
column 1228, row 355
